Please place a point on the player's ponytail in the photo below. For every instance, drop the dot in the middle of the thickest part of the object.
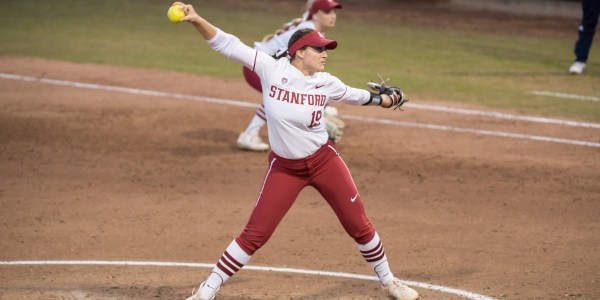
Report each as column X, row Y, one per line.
column 281, row 53
column 287, row 26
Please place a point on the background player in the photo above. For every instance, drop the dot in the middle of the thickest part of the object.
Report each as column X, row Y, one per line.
column 320, row 15
column 587, row 29
column 295, row 93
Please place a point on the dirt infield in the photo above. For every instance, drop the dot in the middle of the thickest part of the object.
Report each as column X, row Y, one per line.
column 94, row 174
column 100, row 175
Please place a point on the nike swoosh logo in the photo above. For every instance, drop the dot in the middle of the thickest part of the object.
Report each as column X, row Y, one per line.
column 354, row 198
column 319, row 86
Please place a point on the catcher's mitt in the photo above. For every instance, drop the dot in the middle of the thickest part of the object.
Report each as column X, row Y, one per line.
column 395, row 93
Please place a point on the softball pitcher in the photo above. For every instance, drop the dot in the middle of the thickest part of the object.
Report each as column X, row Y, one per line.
column 295, row 91
column 320, row 15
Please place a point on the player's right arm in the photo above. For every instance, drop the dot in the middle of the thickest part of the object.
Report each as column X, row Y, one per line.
column 207, row 30
column 222, row 42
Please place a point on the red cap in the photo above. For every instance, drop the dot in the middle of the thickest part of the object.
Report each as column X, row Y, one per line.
column 313, row 39
column 324, row 5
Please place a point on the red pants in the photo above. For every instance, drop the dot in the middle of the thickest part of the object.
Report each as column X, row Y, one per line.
column 325, row 171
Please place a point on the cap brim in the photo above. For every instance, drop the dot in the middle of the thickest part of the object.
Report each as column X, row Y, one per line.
column 329, row 8
column 323, row 42
column 313, row 39
column 325, row 9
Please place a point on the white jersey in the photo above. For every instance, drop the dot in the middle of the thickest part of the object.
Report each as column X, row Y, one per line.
column 294, row 103
column 280, row 41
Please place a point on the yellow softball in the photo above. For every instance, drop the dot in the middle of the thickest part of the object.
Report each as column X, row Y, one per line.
column 175, row 13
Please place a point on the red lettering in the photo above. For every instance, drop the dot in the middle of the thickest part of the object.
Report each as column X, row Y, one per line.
column 295, row 98
column 316, row 118
column 272, row 93
column 286, row 96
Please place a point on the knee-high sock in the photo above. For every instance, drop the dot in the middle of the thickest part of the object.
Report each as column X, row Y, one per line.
column 232, row 260
column 258, row 121
column 374, row 254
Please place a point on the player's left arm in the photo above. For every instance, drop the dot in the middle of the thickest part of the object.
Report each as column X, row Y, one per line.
column 386, row 97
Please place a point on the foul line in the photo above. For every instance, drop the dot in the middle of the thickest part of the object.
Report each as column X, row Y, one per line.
column 564, row 95
column 473, row 131
column 360, row 118
column 438, row 288
column 500, row 115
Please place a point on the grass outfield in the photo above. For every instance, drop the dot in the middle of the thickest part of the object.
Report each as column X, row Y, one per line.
column 444, row 64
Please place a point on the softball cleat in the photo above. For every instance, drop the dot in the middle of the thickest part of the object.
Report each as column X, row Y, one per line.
column 396, row 290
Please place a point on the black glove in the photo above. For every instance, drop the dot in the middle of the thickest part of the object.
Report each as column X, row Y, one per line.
column 395, row 93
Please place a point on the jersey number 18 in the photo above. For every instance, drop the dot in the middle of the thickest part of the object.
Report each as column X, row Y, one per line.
column 316, row 118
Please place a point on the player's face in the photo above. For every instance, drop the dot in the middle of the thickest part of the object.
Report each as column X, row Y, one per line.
column 315, row 59
column 325, row 20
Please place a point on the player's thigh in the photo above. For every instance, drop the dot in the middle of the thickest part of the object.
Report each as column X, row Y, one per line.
column 278, row 194
column 336, row 185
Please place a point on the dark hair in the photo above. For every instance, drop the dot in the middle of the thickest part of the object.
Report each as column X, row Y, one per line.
column 294, row 38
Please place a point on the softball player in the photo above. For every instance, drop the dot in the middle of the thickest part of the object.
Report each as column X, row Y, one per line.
column 295, row 92
column 587, row 29
column 320, row 15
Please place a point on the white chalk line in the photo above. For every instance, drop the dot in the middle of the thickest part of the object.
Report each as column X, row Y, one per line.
column 565, row 95
column 500, row 115
column 472, row 130
column 359, row 118
column 423, row 285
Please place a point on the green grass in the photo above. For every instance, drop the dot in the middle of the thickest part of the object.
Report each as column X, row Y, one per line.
column 443, row 64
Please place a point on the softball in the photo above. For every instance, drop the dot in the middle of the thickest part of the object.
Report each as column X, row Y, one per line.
column 175, row 13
